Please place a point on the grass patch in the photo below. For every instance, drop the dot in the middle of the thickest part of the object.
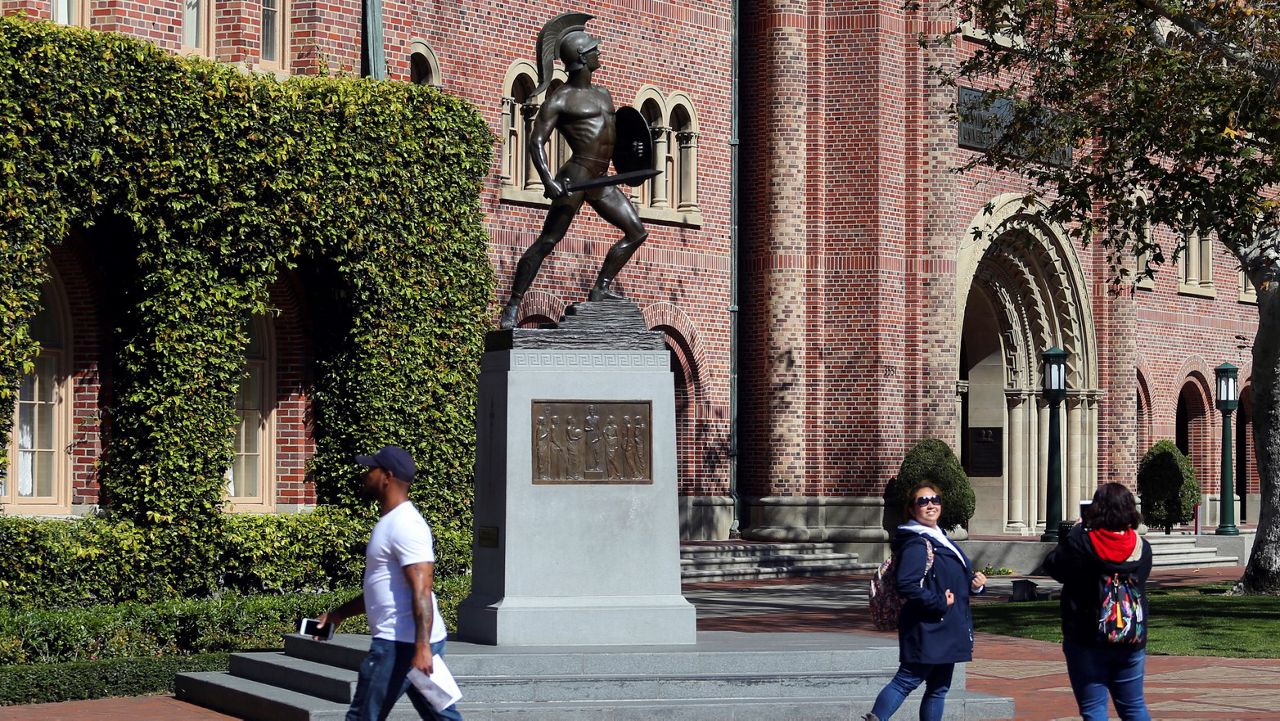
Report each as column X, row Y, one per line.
column 1191, row 621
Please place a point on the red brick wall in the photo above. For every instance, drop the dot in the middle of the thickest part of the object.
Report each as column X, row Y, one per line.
column 851, row 223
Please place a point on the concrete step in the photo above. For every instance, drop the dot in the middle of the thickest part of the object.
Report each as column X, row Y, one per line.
column 780, row 559
column 332, row 683
column 717, row 653
column 253, row 700
column 1193, row 561
column 736, row 676
column 740, row 561
column 1181, row 551
column 961, row 705
column 757, row 572
column 752, row 549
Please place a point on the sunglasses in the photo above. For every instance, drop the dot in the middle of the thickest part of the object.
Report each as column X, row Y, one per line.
column 923, row 501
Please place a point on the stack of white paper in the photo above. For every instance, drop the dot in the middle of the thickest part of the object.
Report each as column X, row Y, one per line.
column 439, row 688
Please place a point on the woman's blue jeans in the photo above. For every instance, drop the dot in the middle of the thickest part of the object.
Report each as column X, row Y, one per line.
column 384, row 678
column 1097, row 670
column 936, row 679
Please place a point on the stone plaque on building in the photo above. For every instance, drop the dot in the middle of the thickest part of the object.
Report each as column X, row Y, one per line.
column 592, row 442
column 986, row 452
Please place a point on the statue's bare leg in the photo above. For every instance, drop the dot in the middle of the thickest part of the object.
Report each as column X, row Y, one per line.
column 616, row 207
column 554, row 227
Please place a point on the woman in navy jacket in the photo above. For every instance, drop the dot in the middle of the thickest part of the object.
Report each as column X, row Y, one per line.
column 935, row 631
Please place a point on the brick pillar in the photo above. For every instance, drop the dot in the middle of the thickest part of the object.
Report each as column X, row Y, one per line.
column 774, row 227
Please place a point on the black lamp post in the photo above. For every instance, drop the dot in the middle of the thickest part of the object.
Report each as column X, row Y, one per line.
column 1228, row 401
column 1055, row 389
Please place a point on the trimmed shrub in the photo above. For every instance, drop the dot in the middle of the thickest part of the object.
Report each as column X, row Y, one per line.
column 54, row 563
column 932, row 460
column 1167, row 486
column 77, row 680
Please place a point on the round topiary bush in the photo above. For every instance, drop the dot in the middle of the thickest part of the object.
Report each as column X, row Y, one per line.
column 933, row 460
column 1167, row 486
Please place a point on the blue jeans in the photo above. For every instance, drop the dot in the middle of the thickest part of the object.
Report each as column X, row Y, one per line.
column 1095, row 670
column 936, row 678
column 384, row 678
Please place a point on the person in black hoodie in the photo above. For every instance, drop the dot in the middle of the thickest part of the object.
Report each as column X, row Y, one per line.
column 935, row 630
column 1103, row 546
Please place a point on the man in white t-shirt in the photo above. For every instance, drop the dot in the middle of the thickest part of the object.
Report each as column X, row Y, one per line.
column 404, row 618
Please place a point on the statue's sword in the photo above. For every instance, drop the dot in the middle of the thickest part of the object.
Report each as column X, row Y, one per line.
column 634, row 177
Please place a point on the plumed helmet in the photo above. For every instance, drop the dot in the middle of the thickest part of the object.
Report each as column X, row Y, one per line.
column 554, row 40
column 573, row 46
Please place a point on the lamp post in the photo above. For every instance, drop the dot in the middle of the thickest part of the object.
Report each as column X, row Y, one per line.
column 1055, row 389
column 1228, row 400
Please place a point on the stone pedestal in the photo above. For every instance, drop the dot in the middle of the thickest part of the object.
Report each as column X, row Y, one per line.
column 576, row 523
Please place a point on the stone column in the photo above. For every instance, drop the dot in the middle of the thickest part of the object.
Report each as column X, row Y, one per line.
column 1042, row 472
column 1015, row 474
column 962, row 390
column 1074, row 456
column 687, row 187
column 510, row 141
column 532, row 181
column 661, row 149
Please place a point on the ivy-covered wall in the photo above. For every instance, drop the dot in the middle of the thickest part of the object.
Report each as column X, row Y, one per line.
column 224, row 180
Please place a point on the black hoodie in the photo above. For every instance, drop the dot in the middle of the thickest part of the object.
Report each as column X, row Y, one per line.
column 1076, row 564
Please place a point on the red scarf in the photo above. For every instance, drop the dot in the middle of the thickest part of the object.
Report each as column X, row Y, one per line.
column 1113, row 546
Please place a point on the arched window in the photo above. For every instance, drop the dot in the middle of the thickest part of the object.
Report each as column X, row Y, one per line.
column 655, row 193
column 424, row 68
column 38, row 473
column 517, row 120
column 520, row 106
column 248, row 478
column 684, row 177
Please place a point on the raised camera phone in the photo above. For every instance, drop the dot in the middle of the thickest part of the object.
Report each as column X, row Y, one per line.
column 312, row 627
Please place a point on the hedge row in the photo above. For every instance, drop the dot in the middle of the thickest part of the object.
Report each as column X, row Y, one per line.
column 76, row 680
column 61, row 563
column 180, row 628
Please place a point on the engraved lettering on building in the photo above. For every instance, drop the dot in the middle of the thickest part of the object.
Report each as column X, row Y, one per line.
column 592, row 442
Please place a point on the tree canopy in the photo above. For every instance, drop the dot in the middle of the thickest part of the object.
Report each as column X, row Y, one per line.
column 1140, row 123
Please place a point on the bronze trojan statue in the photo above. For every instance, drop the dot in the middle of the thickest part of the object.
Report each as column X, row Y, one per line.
column 597, row 134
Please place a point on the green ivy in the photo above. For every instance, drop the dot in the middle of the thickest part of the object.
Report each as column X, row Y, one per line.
column 220, row 181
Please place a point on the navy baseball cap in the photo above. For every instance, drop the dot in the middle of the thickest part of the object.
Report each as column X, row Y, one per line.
column 394, row 459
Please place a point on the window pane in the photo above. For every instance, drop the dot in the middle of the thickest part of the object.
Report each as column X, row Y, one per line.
column 251, row 388
column 191, row 30
column 26, row 426
column 249, row 430
column 248, row 476
column 44, row 327
column 47, row 374
column 44, row 474
column 270, row 31
column 27, row 390
column 64, row 12
column 26, row 472
column 44, row 426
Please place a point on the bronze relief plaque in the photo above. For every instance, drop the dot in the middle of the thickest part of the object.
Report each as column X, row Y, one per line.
column 592, row 442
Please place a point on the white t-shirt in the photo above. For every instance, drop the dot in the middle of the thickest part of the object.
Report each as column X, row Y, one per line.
column 401, row 538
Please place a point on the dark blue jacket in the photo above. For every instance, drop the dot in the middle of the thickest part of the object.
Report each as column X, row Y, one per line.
column 929, row 631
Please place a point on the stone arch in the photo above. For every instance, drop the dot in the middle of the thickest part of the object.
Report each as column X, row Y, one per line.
column 424, row 66
column 1020, row 290
column 1193, row 424
column 686, row 364
column 1144, row 412
column 539, row 307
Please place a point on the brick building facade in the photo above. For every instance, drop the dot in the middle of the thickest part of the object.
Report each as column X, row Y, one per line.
column 870, row 315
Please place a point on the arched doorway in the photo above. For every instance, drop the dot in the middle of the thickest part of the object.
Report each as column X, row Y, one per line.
column 1021, row 291
column 1192, row 433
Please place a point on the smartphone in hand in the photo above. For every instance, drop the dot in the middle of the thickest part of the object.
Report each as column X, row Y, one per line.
column 312, row 627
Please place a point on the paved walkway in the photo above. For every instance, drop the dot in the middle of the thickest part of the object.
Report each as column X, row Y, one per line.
column 1032, row 672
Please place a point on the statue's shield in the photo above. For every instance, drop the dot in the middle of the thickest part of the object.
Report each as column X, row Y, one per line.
column 633, row 150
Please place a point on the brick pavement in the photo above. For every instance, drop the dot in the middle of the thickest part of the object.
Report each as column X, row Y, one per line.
column 1032, row 672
